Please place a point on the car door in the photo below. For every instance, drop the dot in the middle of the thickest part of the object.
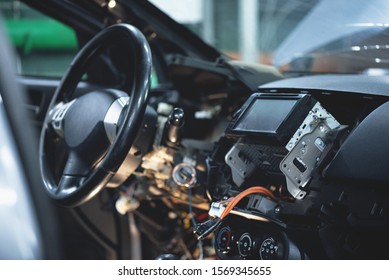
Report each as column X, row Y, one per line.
column 46, row 37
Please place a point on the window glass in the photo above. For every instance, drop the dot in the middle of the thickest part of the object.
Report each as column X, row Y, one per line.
column 249, row 30
column 45, row 46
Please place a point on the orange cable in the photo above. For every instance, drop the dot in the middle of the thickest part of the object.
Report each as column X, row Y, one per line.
column 239, row 197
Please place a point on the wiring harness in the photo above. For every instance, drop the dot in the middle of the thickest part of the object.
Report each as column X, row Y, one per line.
column 220, row 210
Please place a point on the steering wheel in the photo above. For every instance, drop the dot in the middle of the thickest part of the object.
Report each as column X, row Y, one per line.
column 98, row 128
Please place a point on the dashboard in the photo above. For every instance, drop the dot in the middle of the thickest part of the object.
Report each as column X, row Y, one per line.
column 321, row 150
column 293, row 169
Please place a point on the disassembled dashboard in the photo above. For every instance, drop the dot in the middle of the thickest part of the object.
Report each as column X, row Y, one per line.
column 293, row 173
column 300, row 182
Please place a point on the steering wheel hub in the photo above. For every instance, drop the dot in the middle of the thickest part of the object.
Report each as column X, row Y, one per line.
column 83, row 122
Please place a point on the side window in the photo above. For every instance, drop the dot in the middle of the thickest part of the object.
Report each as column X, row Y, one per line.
column 45, row 46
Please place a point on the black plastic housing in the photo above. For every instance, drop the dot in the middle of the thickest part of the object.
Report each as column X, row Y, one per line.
column 364, row 154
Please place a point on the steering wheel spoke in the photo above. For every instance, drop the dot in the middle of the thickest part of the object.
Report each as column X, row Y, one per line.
column 76, row 166
column 57, row 115
column 69, row 184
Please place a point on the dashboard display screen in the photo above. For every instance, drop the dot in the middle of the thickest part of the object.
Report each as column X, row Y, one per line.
column 265, row 115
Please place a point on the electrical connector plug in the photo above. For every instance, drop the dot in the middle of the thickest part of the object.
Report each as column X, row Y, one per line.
column 216, row 209
column 206, row 228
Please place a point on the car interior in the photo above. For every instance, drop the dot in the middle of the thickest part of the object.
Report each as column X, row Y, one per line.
column 142, row 141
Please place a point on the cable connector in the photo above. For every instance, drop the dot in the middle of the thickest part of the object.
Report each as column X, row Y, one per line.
column 206, row 228
column 216, row 209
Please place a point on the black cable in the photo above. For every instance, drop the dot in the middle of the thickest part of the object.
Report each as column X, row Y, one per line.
column 194, row 224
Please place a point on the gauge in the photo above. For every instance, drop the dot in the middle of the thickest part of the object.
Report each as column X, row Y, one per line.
column 245, row 244
column 269, row 249
column 224, row 240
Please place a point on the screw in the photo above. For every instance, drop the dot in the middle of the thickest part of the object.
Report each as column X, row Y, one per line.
column 277, row 210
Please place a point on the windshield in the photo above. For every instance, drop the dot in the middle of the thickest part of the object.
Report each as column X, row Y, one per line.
column 327, row 36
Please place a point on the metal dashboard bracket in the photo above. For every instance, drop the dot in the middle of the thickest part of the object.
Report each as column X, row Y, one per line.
column 307, row 149
column 317, row 114
column 241, row 166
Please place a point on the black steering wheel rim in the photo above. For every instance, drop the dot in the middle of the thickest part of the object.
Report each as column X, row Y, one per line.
column 140, row 55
